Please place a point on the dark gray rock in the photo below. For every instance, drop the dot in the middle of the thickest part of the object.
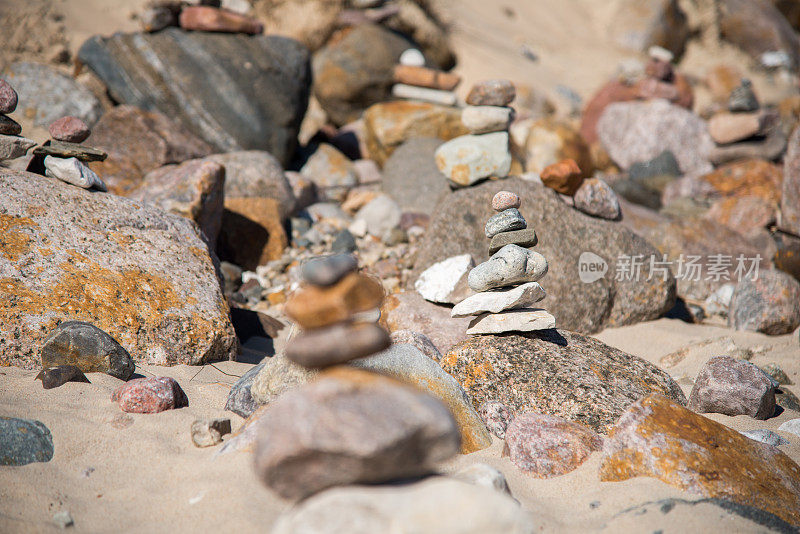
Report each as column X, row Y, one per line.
column 50, row 95
column 768, row 303
column 411, row 177
column 664, row 164
column 237, row 92
column 60, row 375
column 742, row 98
column 88, row 348
column 733, row 387
column 327, row 270
column 505, row 221
column 556, row 372
column 564, row 234
column 24, row 441
column 790, row 198
column 239, row 400
column 336, row 344
column 344, row 243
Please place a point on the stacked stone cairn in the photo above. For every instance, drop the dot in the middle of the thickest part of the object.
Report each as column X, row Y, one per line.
column 64, row 157
column 744, row 120
column 507, row 284
column 484, row 152
column 414, row 81
column 349, row 425
column 12, row 145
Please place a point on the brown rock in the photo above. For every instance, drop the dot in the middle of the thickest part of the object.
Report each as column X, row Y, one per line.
column 69, row 129
column 721, row 80
column 138, row 142
column 8, row 98
column 314, row 307
column 790, row 199
column 211, row 19
column 52, row 377
column 311, row 23
column 9, row 126
column 349, row 427
column 340, row 343
column 565, row 177
column 407, row 310
column 150, row 395
column 546, row 446
column 756, row 27
column 766, row 302
column 550, row 141
column 425, row 77
column 193, row 189
column 252, row 233
column 492, row 93
column 390, row 124
column 658, row 438
column 732, row 387
column 751, row 177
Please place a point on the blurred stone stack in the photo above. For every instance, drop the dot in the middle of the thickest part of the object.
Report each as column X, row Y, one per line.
column 208, row 17
column 484, row 152
column 348, row 425
column 415, row 81
column 64, row 157
column 507, row 283
column 11, row 144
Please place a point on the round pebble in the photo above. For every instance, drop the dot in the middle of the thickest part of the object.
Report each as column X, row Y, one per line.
column 8, row 97
column 69, row 130
column 412, row 57
column 505, row 200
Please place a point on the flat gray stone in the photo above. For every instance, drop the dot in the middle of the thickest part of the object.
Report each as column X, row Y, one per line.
column 505, row 221
column 524, row 238
column 510, row 265
column 13, row 146
column 496, row 301
column 325, row 271
column 523, row 320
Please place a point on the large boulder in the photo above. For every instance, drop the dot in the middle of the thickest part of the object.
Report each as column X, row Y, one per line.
column 790, row 199
column 237, row 92
column 556, row 372
column 140, row 274
column 570, row 241
column 138, row 142
column 356, row 70
column 638, row 25
column 757, row 27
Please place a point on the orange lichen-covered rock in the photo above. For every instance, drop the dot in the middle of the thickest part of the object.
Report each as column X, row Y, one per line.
column 658, row 438
column 314, row 307
column 140, row 274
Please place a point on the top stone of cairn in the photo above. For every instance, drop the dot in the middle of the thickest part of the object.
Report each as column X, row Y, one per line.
column 504, row 200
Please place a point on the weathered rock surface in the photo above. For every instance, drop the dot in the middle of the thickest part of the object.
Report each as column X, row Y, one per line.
column 445, row 282
column 53, row 377
column 331, row 172
column 150, row 395
column 24, row 441
column 522, row 296
column 510, row 265
column 521, row 320
column 141, row 275
column 48, row 94
column 308, row 440
column 69, row 129
column 658, row 438
column 252, row 231
column 411, row 177
column 240, row 401
column 564, row 234
column 254, row 100
column 73, row 171
column 768, row 303
column 88, row 348
column 209, row 432
column 470, row 158
column 758, row 28
column 278, row 375
column 547, row 446
column 440, row 505
column 193, row 189
column 595, row 197
column 556, row 372
column 733, row 387
column 138, row 142
column 496, row 416
column 407, row 310
column 790, row 199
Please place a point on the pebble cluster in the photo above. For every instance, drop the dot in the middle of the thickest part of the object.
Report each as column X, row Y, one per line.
column 507, row 283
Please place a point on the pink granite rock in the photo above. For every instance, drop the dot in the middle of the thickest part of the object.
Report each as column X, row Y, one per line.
column 150, row 395
column 504, row 200
column 69, row 129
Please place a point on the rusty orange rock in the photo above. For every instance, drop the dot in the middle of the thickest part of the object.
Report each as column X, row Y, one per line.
column 211, row 19
column 315, row 307
column 564, row 177
column 658, row 438
column 750, row 177
column 425, row 77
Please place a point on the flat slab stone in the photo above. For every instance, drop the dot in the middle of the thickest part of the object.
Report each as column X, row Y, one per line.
column 497, row 301
column 505, row 221
column 524, row 238
column 63, row 149
column 523, row 320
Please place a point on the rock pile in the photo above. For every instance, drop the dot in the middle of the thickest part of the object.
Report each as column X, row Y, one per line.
column 12, row 145
column 347, row 426
column 484, row 152
column 63, row 157
column 413, row 80
column 507, row 283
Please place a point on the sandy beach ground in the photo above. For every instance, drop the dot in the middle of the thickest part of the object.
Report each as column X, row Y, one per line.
column 141, row 473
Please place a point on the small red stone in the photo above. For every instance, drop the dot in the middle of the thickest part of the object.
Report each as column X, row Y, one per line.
column 212, row 19
column 8, row 97
column 564, row 176
column 69, row 130
column 150, row 395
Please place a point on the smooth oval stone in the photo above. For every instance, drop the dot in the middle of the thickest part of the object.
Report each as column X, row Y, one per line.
column 88, row 348
column 337, row 344
column 512, row 264
column 24, row 441
column 325, row 271
column 9, row 126
column 8, row 97
column 505, row 221
column 57, row 376
column 504, row 200
column 69, row 129
column 492, row 93
column 150, row 395
column 524, row 238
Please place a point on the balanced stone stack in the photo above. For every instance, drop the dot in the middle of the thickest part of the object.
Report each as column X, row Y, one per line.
column 327, row 312
column 415, row 81
column 63, row 156
column 11, row 144
column 744, row 119
column 484, row 152
column 507, row 283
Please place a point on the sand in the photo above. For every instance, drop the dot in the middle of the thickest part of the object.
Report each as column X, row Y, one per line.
column 149, row 477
